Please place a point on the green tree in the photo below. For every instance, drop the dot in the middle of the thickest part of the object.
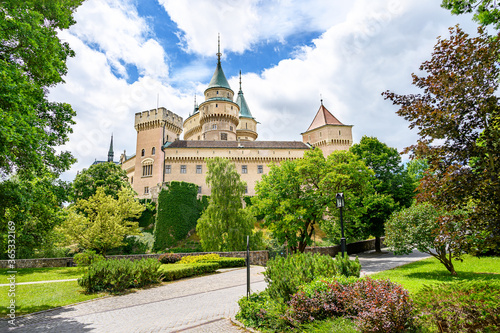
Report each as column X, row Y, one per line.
column 416, row 169
column 35, row 207
column 298, row 195
column 485, row 11
column 224, row 224
column 386, row 162
column 418, row 228
column 107, row 175
column 458, row 121
column 32, row 59
column 379, row 208
column 103, row 222
column 178, row 211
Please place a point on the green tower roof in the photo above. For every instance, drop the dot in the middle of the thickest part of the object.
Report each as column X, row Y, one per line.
column 219, row 79
column 242, row 103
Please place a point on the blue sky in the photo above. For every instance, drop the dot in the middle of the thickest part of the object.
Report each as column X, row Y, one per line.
column 132, row 53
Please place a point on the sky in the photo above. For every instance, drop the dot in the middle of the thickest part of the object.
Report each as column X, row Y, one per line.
column 135, row 55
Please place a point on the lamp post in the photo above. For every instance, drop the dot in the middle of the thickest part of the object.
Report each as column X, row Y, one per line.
column 340, row 204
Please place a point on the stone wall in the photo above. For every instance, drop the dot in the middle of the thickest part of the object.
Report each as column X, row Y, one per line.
column 256, row 257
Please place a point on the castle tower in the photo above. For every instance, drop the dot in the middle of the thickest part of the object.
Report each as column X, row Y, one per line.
column 328, row 133
column 218, row 114
column 155, row 128
column 247, row 128
column 192, row 127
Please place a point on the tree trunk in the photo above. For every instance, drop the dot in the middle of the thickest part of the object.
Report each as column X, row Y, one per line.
column 377, row 244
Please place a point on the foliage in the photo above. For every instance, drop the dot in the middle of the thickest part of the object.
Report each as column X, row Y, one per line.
column 385, row 161
column 379, row 208
column 224, row 224
column 34, row 206
column 472, row 306
column 105, row 223
column 285, row 275
column 169, row 258
column 485, row 11
column 178, row 211
column 137, row 244
column 86, row 258
column 418, row 228
column 199, row 258
column 117, row 275
column 148, row 216
column 228, row 262
column 296, row 195
column 335, row 324
column 109, row 176
column 262, row 311
column 416, row 169
column 458, row 121
column 32, row 59
column 179, row 271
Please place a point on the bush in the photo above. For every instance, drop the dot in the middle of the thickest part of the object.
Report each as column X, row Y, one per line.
column 117, row 275
column 262, row 311
column 138, row 244
column 178, row 271
column 199, row 258
column 227, row 262
column 169, row 258
column 285, row 275
column 346, row 267
column 462, row 306
column 86, row 258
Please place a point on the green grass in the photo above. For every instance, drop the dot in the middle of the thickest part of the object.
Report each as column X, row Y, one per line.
column 336, row 324
column 430, row 271
column 42, row 274
column 37, row 297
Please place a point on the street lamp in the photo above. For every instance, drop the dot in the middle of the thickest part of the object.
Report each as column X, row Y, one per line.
column 340, row 204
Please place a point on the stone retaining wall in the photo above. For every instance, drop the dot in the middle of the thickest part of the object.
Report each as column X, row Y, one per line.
column 256, row 257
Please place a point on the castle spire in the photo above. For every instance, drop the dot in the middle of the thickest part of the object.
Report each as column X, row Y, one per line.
column 218, row 50
column 242, row 103
column 219, row 79
column 110, row 151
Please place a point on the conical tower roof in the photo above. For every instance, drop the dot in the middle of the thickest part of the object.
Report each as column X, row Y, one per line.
column 219, row 79
column 110, row 151
column 242, row 103
column 323, row 117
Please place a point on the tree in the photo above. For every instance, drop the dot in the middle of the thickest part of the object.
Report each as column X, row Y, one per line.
column 419, row 227
column 35, row 207
column 178, row 211
column 104, row 221
column 379, row 208
column 107, row 175
column 297, row 196
column 389, row 170
column 416, row 169
column 485, row 11
column 32, row 59
column 224, row 224
column 458, row 121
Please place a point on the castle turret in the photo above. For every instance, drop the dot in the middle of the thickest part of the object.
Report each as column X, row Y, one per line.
column 247, row 128
column 219, row 115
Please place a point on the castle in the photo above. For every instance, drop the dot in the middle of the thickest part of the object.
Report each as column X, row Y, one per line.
column 220, row 127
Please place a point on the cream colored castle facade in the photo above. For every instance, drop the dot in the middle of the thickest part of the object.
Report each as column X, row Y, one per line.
column 220, row 127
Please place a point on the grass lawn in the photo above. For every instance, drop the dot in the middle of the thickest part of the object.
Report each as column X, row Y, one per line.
column 37, row 297
column 430, row 271
column 42, row 274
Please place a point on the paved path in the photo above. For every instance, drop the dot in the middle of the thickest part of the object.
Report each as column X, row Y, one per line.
column 202, row 304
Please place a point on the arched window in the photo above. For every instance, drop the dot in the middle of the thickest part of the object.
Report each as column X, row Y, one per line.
column 143, row 152
column 153, row 151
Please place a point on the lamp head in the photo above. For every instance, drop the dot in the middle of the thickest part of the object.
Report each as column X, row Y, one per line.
column 340, row 200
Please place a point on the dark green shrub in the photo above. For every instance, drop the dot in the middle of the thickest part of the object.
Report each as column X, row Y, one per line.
column 227, row 262
column 86, row 258
column 176, row 272
column 169, row 258
column 462, row 306
column 117, row 275
column 263, row 312
column 285, row 275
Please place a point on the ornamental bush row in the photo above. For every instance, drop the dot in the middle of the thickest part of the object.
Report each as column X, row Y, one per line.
column 116, row 275
column 224, row 262
column 179, row 271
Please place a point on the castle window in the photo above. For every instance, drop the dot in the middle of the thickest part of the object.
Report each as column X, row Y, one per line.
column 199, row 189
column 146, row 190
column 246, row 189
column 244, row 169
column 147, row 170
column 153, row 151
column 246, row 125
column 183, row 169
column 143, row 152
column 198, row 169
column 132, row 180
column 217, row 92
column 168, row 169
column 214, row 126
column 320, row 134
column 223, row 136
column 216, row 105
column 339, row 132
column 260, row 169
column 231, row 128
column 231, row 107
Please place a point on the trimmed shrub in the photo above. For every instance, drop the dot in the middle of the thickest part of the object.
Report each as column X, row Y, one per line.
column 462, row 306
column 116, row 275
column 179, row 271
column 86, row 258
column 227, row 262
column 285, row 275
column 262, row 311
column 199, row 258
column 169, row 258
